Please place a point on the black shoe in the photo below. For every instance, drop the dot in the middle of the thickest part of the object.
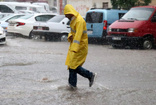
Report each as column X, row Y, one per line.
column 92, row 80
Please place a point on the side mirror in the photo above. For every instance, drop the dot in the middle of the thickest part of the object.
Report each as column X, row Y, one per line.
column 153, row 19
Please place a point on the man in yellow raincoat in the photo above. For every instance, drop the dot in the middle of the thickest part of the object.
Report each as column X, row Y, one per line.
column 78, row 48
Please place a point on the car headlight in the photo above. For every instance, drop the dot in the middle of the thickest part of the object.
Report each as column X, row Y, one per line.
column 132, row 30
column 109, row 29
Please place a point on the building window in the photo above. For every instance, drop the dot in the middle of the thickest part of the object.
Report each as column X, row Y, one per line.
column 55, row 2
column 105, row 5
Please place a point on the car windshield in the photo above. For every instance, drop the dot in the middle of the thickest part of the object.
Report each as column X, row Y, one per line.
column 138, row 14
column 90, row 18
column 26, row 16
column 57, row 18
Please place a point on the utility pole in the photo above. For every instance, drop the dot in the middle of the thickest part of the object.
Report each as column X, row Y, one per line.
column 61, row 7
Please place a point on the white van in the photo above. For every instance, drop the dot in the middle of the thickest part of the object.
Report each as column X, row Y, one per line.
column 45, row 5
column 16, row 7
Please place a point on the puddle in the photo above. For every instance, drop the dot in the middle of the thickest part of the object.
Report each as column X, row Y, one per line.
column 16, row 64
column 11, row 42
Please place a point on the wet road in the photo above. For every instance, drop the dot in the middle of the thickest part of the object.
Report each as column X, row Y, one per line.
column 34, row 73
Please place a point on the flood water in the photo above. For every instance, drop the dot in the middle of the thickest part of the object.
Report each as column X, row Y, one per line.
column 33, row 72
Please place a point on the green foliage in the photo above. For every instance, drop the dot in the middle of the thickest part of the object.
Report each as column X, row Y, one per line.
column 146, row 2
column 127, row 4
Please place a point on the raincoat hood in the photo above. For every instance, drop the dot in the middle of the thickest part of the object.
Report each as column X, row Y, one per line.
column 69, row 9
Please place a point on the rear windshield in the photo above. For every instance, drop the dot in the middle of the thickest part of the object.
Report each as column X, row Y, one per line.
column 94, row 17
column 57, row 18
column 7, row 18
column 138, row 14
column 26, row 16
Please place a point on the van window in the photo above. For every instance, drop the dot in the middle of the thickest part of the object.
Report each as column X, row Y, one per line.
column 33, row 9
column 138, row 14
column 5, row 9
column 20, row 8
column 94, row 17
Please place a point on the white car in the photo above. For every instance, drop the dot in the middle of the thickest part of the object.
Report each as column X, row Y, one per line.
column 2, row 15
column 15, row 7
column 24, row 25
column 2, row 36
column 56, row 28
column 4, row 21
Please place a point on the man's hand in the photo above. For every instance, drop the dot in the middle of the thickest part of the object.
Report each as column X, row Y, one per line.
column 71, row 38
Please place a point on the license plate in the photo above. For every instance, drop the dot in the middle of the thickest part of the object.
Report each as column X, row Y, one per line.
column 89, row 32
column 11, row 24
column 116, row 38
column 39, row 28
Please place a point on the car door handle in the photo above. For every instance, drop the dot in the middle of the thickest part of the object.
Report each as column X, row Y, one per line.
column 68, row 26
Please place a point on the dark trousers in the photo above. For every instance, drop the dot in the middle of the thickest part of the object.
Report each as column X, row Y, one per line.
column 73, row 75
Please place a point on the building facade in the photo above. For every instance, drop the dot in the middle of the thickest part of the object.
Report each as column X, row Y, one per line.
column 153, row 2
column 82, row 6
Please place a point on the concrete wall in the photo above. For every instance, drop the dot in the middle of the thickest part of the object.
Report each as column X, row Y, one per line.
column 82, row 6
column 99, row 3
column 153, row 2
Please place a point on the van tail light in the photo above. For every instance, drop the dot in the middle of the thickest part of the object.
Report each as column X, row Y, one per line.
column 105, row 25
column 20, row 24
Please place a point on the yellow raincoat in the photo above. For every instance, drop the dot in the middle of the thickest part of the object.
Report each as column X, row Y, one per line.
column 78, row 48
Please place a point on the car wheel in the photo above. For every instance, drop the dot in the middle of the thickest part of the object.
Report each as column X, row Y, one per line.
column 31, row 35
column 64, row 37
column 115, row 46
column 147, row 43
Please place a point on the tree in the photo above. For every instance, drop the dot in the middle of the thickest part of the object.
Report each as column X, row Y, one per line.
column 114, row 4
column 127, row 4
column 146, row 2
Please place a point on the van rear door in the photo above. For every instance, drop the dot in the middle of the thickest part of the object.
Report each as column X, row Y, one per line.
column 94, row 22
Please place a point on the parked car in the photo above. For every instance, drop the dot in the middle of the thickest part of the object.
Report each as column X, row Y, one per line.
column 56, row 28
column 2, row 36
column 98, row 20
column 2, row 15
column 24, row 25
column 26, row 12
column 43, row 4
column 4, row 21
column 15, row 7
column 137, row 28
